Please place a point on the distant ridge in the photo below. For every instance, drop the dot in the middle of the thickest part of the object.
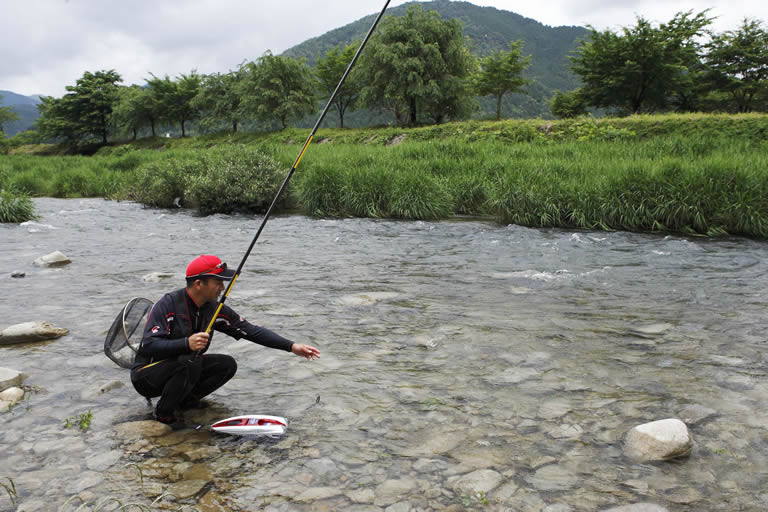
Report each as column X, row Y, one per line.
column 489, row 29
column 25, row 106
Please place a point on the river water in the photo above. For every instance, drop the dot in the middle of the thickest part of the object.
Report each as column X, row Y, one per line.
column 464, row 365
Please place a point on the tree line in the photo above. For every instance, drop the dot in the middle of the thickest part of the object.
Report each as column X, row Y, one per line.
column 419, row 69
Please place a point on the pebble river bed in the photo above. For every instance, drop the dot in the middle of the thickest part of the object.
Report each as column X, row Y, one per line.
column 465, row 365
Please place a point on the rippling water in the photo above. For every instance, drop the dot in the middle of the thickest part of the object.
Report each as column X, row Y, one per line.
column 447, row 348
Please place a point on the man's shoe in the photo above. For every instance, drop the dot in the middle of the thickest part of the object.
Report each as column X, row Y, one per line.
column 171, row 421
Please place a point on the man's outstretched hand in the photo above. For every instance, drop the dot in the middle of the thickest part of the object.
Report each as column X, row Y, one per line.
column 305, row 351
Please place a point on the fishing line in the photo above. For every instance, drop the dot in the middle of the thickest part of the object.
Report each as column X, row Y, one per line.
column 293, row 168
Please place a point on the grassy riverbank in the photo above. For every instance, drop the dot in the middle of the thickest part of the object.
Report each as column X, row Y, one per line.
column 695, row 174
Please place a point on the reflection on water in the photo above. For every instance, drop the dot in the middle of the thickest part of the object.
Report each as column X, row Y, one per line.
column 463, row 363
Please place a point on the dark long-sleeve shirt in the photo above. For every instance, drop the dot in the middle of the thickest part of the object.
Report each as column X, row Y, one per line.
column 176, row 316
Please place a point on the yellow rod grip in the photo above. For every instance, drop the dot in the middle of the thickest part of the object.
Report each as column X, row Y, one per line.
column 301, row 155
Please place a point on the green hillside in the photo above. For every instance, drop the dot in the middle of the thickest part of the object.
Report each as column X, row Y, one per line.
column 488, row 29
column 24, row 106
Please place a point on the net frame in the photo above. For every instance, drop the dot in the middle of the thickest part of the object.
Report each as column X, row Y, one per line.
column 121, row 332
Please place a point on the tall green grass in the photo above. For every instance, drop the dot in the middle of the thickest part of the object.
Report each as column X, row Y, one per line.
column 15, row 207
column 693, row 174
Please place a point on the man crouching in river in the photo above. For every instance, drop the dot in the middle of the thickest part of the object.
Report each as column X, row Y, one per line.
column 171, row 362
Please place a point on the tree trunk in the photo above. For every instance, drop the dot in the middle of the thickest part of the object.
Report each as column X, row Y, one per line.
column 412, row 110
column 234, row 126
column 135, row 133
column 498, row 107
column 183, row 132
column 152, row 122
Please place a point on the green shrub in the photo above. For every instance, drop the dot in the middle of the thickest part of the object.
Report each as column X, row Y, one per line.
column 15, row 207
column 161, row 182
column 232, row 179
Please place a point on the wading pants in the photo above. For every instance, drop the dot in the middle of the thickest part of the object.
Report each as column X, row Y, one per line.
column 183, row 379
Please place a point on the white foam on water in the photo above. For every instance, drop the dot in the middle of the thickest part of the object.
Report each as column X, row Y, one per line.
column 36, row 227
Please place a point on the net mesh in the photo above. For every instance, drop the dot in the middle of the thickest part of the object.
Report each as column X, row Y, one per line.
column 124, row 336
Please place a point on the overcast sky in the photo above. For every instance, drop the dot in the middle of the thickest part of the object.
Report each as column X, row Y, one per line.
column 48, row 44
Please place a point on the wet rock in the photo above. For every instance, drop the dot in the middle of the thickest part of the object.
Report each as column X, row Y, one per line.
column 54, row 259
column 553, row 478
column 362, row 496
column 480, row 481
column 187, row 488
column 10, row 378
column 638, row 507
column 12, row 395
column 317, row 493
column 392, row 491
column 30, row 331
column 140, row 429
column 156, row 277
column 85, row 480
column 696, row 414
column 551, row 410
column 659, row 440
column 366, row 299
column 202, row 453
column 101, row 389
column 685, row 496
column 213, row 502
column 102, row 461
column 651, row 330
column 324, row 466
column 18, row 274
column 504, row 492
column 435, row 443
column 558, row 507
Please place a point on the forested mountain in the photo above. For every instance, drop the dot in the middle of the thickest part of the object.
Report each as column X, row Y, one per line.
column 24, row 106
column 489, row 30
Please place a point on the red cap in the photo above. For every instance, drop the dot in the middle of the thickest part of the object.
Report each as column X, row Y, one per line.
column 208, row 265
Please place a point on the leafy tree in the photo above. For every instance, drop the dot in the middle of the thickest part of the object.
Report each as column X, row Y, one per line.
column 276, row 87
column 83, row 112
column 6, row 114
column 502, row 73
column 643, row 68
column 220, row 100
column 568, row 104
column 174, row 98
column 134, row 109
column 738, row 63
column 329, row 70
column 417, row 65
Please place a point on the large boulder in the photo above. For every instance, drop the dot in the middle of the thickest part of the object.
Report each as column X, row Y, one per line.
column 30, row 331
column 659, row 440
column 10, row 378
column 54, row 259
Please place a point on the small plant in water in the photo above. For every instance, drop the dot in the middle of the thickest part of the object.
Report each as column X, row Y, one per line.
column 82, row 420
column 10, row 488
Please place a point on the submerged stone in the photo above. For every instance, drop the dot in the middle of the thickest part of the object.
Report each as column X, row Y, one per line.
column 480, row 481
column 156, row 277
column 392, row 491
column 638, row 507
column 553, row 478
column 659, row 440
column 30, row 331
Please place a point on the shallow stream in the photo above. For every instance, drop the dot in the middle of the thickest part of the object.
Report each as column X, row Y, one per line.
column 464, row 365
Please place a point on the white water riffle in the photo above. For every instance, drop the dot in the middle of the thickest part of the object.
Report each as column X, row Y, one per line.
column 464, row 363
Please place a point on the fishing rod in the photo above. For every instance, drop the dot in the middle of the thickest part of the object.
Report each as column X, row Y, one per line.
column 293, row 168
